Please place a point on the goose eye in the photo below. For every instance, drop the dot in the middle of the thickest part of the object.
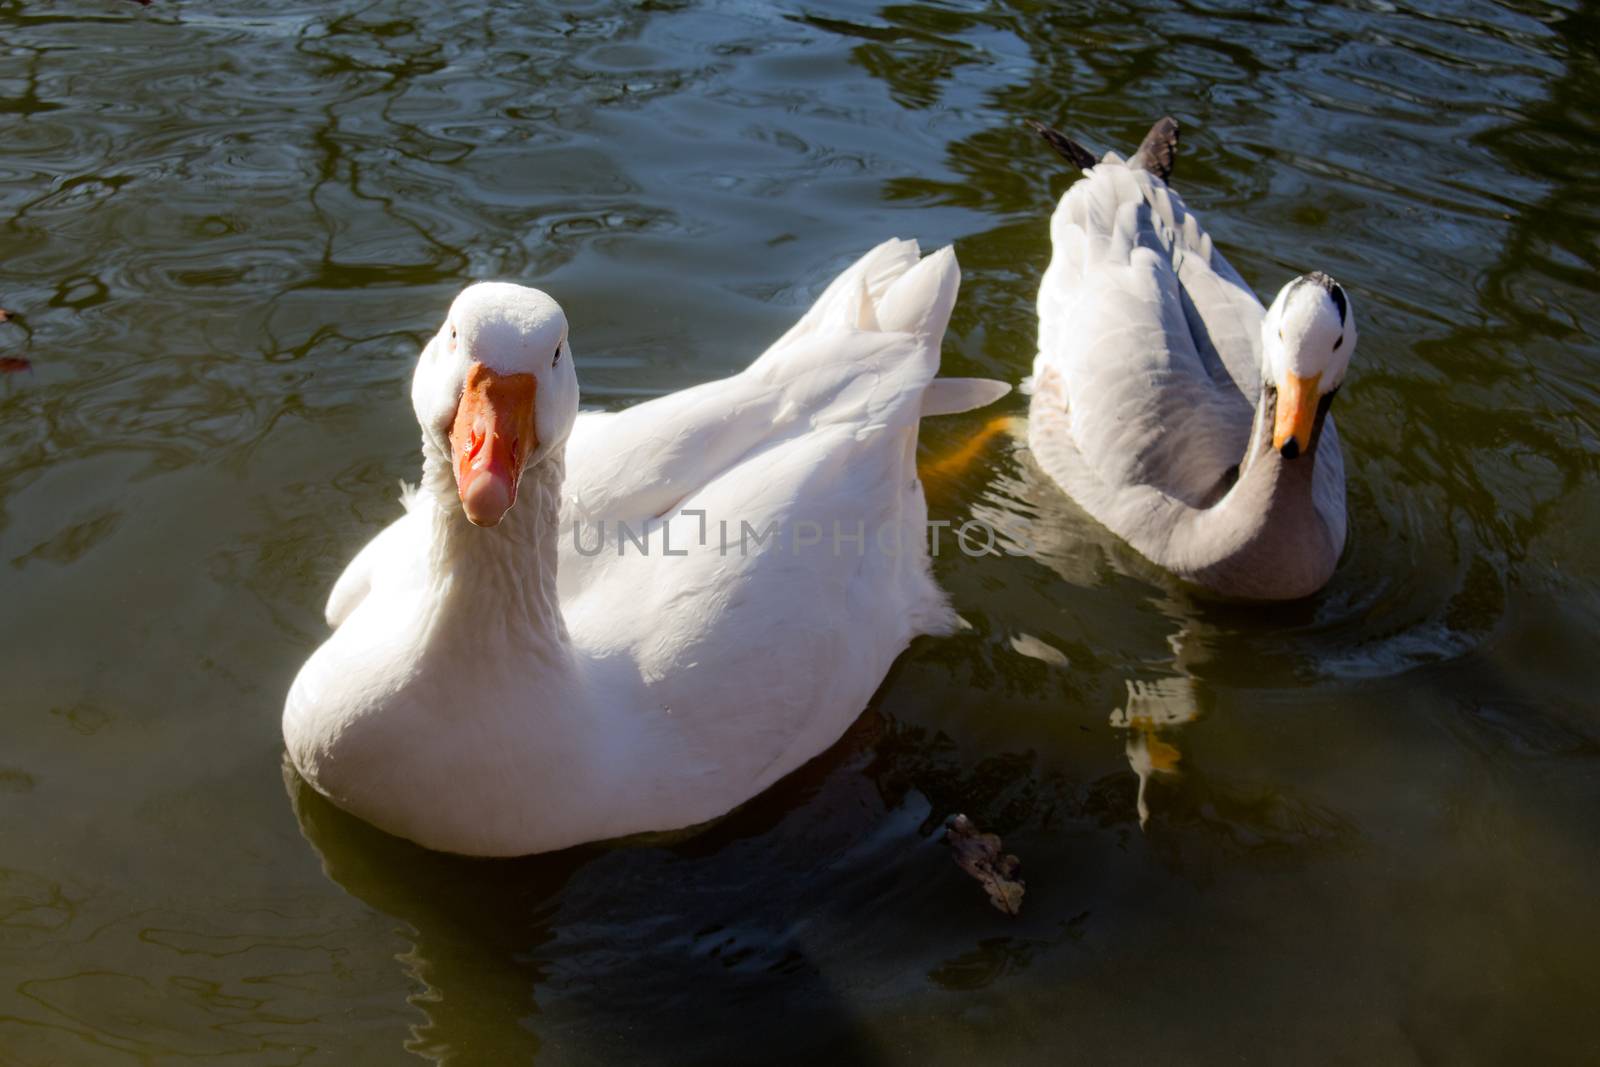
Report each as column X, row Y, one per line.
column 1339, row 342
column 556, row 360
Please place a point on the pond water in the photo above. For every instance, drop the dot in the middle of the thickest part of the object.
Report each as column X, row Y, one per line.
column 225, row 229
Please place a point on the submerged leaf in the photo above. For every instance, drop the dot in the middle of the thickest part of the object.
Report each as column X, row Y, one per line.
column 14, row 364
column 979, row 855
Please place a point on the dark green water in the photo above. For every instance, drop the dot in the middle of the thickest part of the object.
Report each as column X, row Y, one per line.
column 224, row 233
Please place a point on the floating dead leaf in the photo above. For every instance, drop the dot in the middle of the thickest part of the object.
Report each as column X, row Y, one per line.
column 14, row 364
column 4, row 314
column 979, row 855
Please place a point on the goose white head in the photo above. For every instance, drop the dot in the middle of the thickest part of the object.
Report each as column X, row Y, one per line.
column 1307, row 339
column 495, row 391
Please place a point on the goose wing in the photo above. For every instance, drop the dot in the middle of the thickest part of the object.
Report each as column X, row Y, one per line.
column 1149, row 342
column 643, row 462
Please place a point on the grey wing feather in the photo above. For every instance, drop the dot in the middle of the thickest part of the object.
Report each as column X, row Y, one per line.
column 1149, row 339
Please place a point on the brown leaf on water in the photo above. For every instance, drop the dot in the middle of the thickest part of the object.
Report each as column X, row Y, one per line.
column 979, row 855
column 14, row 364
column 4, row 314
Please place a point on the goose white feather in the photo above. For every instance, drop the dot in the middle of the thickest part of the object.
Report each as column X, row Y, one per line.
column 598, row 663
column 1175, row 409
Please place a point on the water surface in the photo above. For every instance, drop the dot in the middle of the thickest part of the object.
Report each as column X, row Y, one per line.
column 225, row 229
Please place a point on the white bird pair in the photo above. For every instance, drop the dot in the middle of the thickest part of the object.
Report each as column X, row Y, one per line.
column 587, row 626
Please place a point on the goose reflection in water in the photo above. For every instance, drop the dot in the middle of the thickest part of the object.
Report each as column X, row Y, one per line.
column 1034, row 519
column 1151, row 708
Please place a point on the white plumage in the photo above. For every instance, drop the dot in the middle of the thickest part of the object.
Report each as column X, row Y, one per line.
column 529, row 686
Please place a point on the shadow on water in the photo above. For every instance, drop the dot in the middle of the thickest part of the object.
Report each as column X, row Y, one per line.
column 474, row 925
column 574, row 951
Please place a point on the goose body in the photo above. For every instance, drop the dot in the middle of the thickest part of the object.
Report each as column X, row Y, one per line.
column 1170, row 404
column 674, row 612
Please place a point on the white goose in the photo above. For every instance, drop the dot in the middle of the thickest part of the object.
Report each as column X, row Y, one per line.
column 1148, row 401
column 500, row 683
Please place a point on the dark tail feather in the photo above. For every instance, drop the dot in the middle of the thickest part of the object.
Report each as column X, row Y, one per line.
column 1070, row 150
column 1159, row 149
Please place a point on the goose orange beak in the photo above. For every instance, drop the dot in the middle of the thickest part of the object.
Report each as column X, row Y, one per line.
column 1296, row 415
column 492, row 435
